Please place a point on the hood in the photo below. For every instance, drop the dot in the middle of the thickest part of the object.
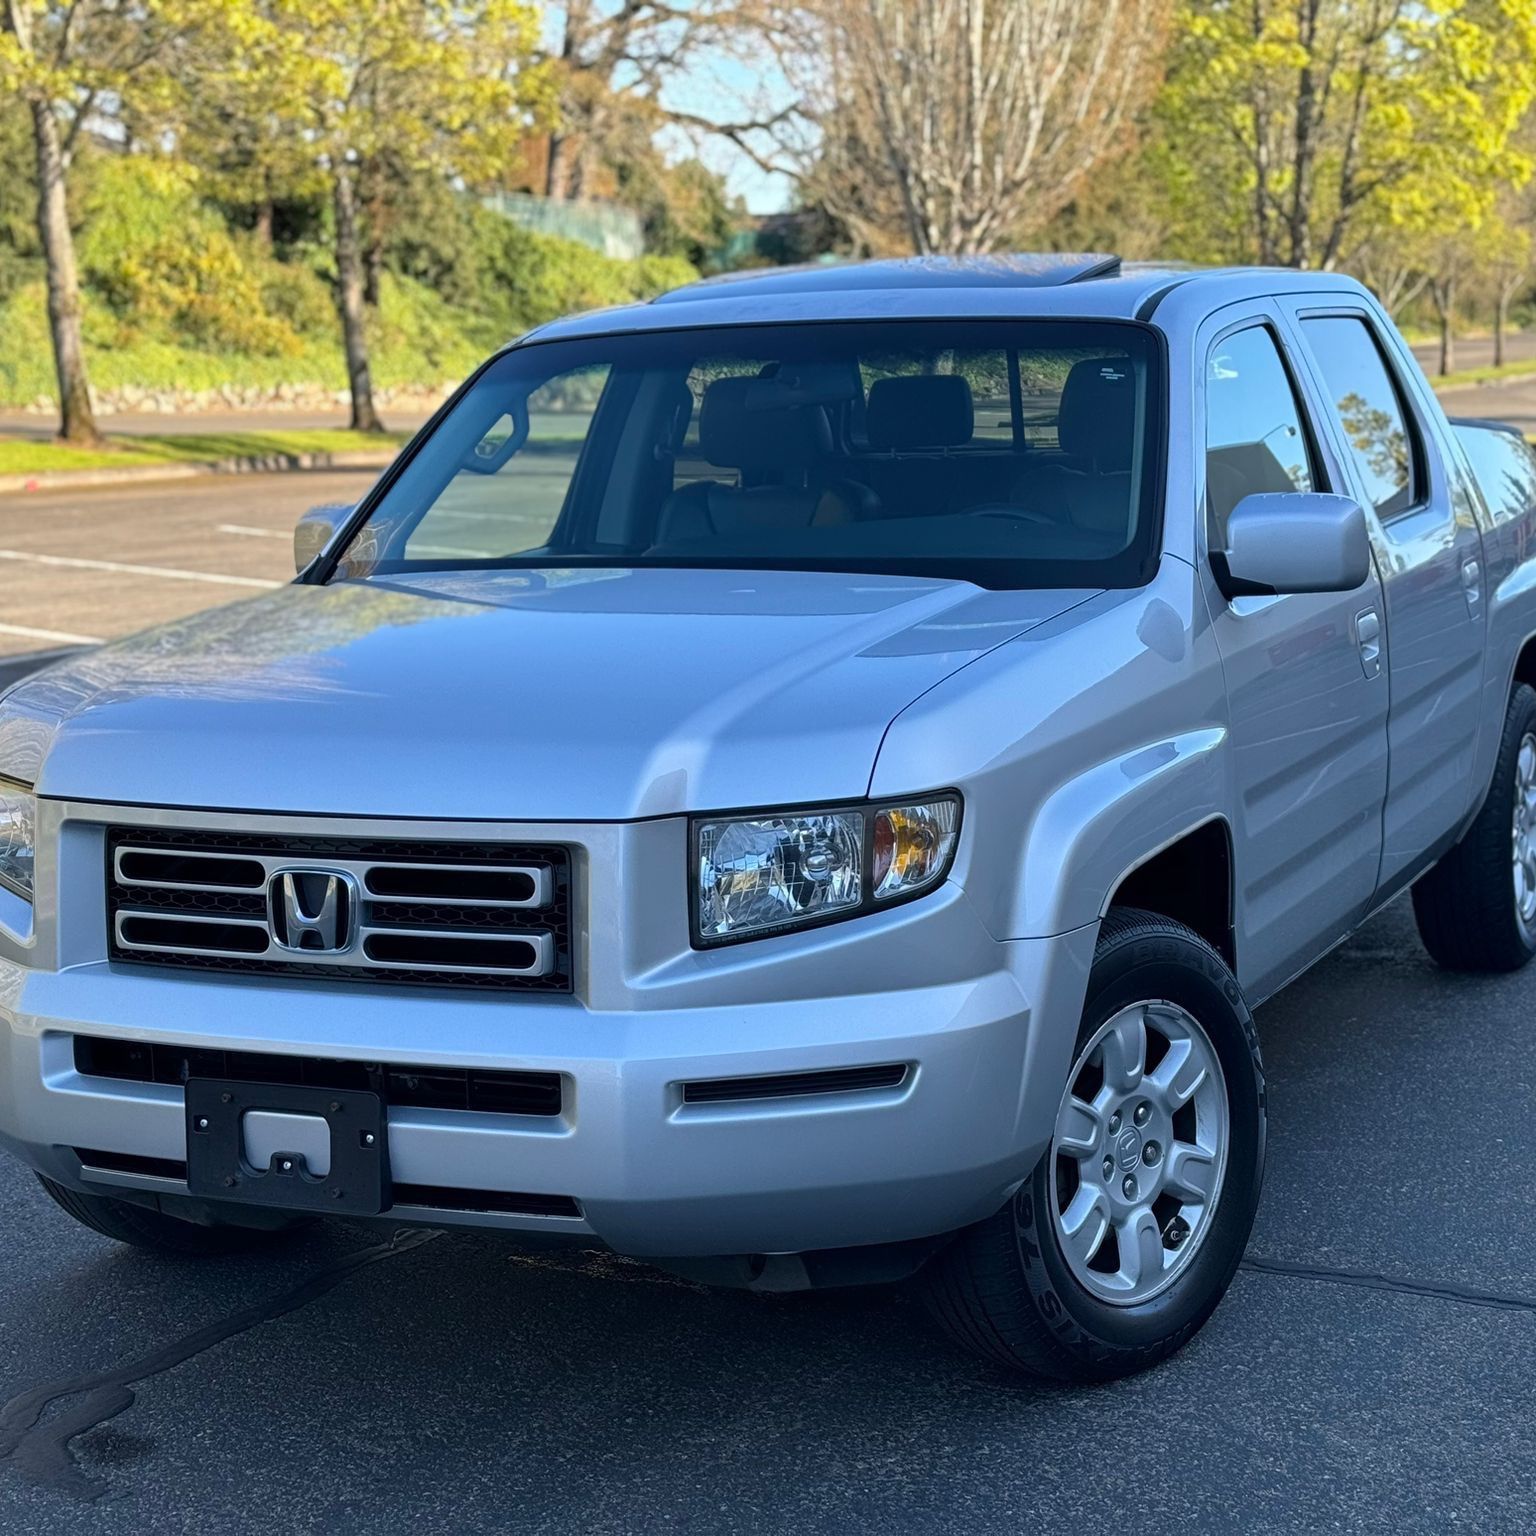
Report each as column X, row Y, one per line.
column 510, row 695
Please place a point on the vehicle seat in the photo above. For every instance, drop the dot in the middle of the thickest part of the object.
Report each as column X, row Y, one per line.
column 1090, row 485
column 917, row 418
column 776, row 451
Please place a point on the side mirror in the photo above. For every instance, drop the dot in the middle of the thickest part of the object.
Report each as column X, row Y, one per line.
column 314, row 531
column 1297, row 541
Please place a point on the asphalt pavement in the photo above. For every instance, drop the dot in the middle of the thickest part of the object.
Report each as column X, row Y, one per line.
column 1370, row 1370
column 78, row 567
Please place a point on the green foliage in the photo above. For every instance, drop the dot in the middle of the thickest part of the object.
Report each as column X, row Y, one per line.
column 178, row 299
column 162, row 263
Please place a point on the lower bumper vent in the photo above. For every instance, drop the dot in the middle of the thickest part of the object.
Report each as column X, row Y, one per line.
column 791, row 1085
column 433, row 1197
column 495, row 1093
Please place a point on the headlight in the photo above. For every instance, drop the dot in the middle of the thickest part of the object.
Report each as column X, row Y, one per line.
column 762, row 874
column 18, row 836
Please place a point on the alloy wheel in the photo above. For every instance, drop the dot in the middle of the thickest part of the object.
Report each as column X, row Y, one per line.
column 1140, row 1150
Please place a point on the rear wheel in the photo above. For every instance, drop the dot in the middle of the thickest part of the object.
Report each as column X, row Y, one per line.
column 1476, row 909
column 1129, row 1230
column 142, row 1227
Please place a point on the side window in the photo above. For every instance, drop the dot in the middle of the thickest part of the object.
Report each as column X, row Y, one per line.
column 508, row 494
column 1255, row 437
column 1378, row 428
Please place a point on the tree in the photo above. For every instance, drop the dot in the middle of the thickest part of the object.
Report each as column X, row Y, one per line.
column 1353, row 122
column 1508, row 251
column 956, row 126
column 611, row 66
column 423, row 87
column 78, row 64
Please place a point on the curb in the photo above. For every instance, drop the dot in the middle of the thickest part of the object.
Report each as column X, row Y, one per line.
column 245, row 464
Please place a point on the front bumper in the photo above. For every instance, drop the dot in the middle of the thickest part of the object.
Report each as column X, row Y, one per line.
column 986, row 1029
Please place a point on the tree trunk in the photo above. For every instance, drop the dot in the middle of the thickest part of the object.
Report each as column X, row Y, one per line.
column 373, row 247
column 1500, row 323
column 373, row 271
column 264, row 222
column 349, row 300
column 557, row 175
column 77, row 420
column 1443, row 292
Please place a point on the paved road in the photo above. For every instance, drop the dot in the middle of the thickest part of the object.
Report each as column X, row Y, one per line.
column 82, row 566
column 457, row 1386
column 1477, row 351
column 1514, row 402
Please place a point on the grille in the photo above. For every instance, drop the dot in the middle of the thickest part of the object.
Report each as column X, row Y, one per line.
column 399, row 912
column 792, row 1085
column 497, row 1093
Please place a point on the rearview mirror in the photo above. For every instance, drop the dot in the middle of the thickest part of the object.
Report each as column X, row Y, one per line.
column 315, row 530
column 1295, row 541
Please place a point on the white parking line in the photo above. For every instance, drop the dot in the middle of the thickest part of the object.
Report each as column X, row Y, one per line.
column 254, row 533
column 26, row 632
column 71, row 562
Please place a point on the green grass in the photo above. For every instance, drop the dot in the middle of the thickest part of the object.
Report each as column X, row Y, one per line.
column 1488, row 375
column 27, row 456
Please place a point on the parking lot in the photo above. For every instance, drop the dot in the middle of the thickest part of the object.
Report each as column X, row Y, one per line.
column 82, row 566
column 1370, row 1371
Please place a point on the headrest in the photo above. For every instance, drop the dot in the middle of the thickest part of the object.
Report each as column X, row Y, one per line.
column 1096, row 419
column 776, row 437
column 921, row 410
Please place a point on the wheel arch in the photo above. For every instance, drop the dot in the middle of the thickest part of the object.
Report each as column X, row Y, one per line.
column 1190, row 879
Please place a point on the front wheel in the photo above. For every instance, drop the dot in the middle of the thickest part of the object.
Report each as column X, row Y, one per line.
column 1128, row 1232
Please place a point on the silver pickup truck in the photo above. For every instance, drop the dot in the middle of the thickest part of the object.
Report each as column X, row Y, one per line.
column 803, row 782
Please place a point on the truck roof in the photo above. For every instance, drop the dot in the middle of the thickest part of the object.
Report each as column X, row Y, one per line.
column 1086, row 285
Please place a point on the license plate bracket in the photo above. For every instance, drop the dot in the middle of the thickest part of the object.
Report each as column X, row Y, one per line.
column 357, row 1182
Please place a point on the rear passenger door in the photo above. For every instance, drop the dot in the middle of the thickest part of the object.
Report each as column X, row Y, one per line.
column 1307, row 702
column 1429, row 552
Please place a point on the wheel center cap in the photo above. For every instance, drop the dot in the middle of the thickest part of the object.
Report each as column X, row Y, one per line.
column 1128, row 1149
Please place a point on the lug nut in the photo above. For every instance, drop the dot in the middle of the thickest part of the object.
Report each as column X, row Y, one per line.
column 1109, row 1167
column 1151, row 1154
column 1129, row 1187
column 1143, row 1112
column 1114, row 1123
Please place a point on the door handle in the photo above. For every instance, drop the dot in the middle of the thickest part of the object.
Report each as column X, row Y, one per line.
column 1368, row 638
column 1472, row 583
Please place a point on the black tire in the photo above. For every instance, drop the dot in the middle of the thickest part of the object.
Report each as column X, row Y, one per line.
column 142, row 1227
column 1003, row 1289
column 1465, row 906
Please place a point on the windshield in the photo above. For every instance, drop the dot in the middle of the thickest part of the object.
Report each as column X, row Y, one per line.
column 1007, row 453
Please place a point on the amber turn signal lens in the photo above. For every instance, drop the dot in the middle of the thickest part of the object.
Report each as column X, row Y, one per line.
column 912, row 846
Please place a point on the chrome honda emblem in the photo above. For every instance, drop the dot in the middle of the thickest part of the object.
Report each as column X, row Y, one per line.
column 313, row 910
